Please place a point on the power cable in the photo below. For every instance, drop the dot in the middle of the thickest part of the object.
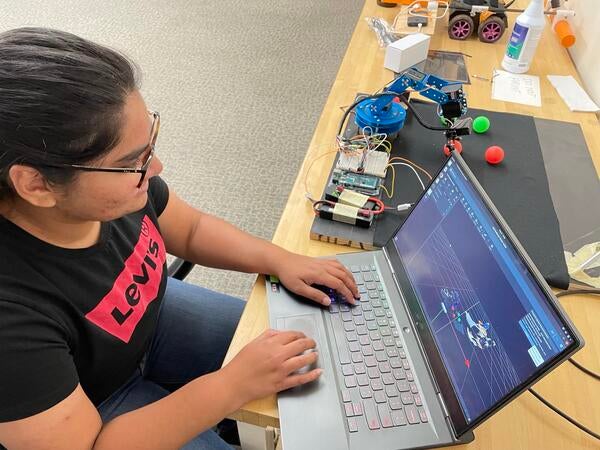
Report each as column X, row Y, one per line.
column 576, row 364
column 571, row 360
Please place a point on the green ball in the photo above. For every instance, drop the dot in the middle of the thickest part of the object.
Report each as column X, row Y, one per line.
column 481, row 124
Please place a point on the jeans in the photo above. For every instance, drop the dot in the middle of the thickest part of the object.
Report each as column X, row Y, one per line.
column 195, row 327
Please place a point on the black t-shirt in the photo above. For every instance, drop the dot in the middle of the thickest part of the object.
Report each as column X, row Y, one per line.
column 78, row 316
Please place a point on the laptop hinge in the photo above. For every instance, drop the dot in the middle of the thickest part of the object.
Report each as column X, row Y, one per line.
column 441, row 399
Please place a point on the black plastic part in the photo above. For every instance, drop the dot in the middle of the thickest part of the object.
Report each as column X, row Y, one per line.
column 451, row 109
column 180, row 268
column 415, row 21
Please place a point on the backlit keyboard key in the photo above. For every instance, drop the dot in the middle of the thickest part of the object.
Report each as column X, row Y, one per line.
column 395, row 403
column 403, row 386
column 349, row 409
column 367, row 350
column 352, row 425
column 366, row 392
column 376, row 384
column 388, row 378
column 349, row 327
column 406, row 398
column 357, row 357
column 384, row 415
column 370, row 361
column 391, row 391
column 418, row 400
column 362, row 330
column 362, row 380
column 384, row 367
column 373, row 372
column 371, row 415
column 359, row 368
column 412, row 414
column 379, row 396
column 398, row 418
column 345, row 395
column 399, row 374
column 396, row 363
column 350, row 381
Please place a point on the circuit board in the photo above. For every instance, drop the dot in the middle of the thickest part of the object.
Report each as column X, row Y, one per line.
column 363, row 183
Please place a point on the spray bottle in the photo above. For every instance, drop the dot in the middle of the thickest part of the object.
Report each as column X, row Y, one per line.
column 524, row 39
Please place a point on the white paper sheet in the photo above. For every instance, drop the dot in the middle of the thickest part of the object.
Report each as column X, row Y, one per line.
column 516, row 88
column 572, row 93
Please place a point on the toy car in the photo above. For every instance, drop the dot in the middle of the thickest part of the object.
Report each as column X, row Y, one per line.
column 464, row 19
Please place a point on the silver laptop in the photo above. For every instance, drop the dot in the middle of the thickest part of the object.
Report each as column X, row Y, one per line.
column 454, row 322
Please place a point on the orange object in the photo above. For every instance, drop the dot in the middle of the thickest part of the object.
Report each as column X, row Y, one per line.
column 562, row 29
column 485, row 15
column 564, row 33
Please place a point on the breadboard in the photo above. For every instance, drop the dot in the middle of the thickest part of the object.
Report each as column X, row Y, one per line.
column 375, row 163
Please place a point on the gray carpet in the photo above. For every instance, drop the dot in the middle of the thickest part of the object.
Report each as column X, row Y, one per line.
column 240, row 85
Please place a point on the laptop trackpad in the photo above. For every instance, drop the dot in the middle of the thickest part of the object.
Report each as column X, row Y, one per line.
column 315, row 405
column 307, row 324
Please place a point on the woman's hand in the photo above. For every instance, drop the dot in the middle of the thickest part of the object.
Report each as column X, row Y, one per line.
column 298, row 273
column 268, row 364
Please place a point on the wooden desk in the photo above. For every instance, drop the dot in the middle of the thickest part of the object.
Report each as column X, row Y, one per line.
column 525, row 423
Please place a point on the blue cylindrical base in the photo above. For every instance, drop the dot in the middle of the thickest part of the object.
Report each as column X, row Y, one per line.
column 388, row 121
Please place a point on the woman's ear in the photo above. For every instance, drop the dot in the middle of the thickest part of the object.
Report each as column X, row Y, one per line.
column 31, row 186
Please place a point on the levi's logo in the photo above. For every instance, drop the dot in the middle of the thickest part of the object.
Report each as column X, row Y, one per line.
column 119, row 312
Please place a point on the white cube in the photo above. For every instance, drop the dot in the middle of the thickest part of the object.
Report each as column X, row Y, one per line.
column 406, row 52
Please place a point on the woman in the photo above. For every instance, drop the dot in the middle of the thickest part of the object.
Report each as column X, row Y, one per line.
column 98, row 348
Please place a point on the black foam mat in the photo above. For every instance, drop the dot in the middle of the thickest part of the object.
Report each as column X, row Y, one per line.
column 518, row 186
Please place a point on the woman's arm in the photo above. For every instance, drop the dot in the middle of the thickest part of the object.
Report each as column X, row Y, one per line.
column 210, row 241
column 265, row 366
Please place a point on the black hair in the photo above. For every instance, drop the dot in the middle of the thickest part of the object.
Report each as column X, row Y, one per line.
column 61, row 101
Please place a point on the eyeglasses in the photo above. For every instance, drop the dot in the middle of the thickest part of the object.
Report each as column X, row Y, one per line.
column 149, row 152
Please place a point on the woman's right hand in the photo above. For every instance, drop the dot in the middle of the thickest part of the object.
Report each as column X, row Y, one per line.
column 268, row 364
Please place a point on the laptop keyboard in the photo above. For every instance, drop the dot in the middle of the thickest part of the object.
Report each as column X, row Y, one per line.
column 379, row 384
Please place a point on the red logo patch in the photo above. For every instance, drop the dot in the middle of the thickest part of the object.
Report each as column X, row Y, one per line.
column 119, row 312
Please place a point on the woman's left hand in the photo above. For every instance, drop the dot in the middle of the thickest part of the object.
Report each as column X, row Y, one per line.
column 299, row 273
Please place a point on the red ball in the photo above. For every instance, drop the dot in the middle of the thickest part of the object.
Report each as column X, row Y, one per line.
column 457, row 147
column 494, row 154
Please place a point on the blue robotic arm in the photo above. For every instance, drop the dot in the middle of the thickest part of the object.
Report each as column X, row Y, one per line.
column 382, row 115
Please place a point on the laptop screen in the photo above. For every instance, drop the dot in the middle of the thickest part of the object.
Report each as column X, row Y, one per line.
column 492, row 324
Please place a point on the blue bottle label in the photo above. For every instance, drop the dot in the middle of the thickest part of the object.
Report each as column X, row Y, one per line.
column 517, row 41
